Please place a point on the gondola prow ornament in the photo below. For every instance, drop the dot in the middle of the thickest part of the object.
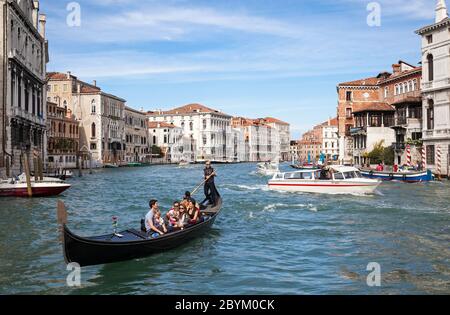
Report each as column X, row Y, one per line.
column 115, row 224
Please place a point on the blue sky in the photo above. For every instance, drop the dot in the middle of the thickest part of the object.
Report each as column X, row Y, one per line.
column 253, row 58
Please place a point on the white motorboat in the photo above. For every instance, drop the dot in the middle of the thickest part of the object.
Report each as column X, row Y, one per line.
column 183, row 163
column 268, row 168
column 18, row 188
column 22, row 178
column 330, row 180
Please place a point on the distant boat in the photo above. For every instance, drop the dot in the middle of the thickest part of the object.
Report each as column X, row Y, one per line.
column 268, row 168
column 339, row 180
column 184, row 163
column 110, row 165
column 304, row 166
column 409, row 176
column 135, row 164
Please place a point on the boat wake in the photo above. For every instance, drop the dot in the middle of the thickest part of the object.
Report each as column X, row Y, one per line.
column 275, row 206
column 246, row 187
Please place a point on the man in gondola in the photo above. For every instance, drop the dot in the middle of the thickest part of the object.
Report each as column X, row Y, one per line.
column 149, row 223
column 211, row 192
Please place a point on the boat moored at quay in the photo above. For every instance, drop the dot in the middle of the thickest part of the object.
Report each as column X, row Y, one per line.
column 13, row 188
column 408, row 176
column 329, row 180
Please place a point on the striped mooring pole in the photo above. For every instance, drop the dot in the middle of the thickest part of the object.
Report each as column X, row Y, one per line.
column 424, row 157
column 439, row 160
column 408, row 155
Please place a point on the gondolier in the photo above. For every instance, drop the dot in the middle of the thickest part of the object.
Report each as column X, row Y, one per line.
column 211, row 193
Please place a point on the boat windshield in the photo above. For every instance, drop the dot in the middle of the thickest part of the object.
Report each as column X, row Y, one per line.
column 338, row 176
column 350, row 175
column 298, row 175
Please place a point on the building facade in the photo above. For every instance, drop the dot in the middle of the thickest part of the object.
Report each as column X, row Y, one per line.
column 310, row 145
column 401, row 89
column 23, row 109
column 137, row 146
column 261, row 141
column 284, row 134
column 436, row 89
column 208, row 128
column 63, row 138
column 330, row 139
column 101, row 116
column 350, row 95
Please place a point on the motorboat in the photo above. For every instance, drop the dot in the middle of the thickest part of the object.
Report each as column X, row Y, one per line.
column 268, row 168
column 329, row 180
column 407, row 176
column 18, row 187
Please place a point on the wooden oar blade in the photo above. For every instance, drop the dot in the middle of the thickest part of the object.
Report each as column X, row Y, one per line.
column 62, row 213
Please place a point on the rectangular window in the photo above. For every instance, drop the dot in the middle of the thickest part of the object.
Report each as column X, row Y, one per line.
column 386, row 91
column 430, row 39
column 349, row 96
column 430, row 155
column 93, row 146
column 348, row 113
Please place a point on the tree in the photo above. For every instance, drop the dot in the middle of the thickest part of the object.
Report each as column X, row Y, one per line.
column 381, row 154
column 156, row 150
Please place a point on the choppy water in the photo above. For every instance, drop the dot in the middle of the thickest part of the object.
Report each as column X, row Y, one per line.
column 263, row 243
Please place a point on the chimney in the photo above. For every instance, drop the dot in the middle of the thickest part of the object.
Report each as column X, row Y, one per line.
column 35, row 14
column 396, row 68
column 42, row 22
column 69, row 74
column 94, row 83
column 441, row 11
column 78, row 88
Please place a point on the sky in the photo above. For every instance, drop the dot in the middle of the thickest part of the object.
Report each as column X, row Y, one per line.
column 252, row 58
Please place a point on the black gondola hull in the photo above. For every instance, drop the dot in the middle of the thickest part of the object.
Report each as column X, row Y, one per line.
column 110, row 249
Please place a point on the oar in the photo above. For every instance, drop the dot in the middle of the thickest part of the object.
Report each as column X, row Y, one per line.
column 201, row 184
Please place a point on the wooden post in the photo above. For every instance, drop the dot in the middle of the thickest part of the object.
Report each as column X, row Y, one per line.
column 41, row 168
column 80, row 174
column 8, row 171
column 27, row 174
column 35, row 170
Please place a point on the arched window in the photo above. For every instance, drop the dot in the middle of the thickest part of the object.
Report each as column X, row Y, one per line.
column 93, row 133
column 93, row 109
column 430, row 67
column 65, row 104
column 430, row 115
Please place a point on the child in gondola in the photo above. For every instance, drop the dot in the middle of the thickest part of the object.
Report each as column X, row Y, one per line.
column 158, row 222
column 173, row 216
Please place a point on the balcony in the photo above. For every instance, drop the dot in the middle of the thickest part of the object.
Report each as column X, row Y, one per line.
column 436, row 134
column 409, row 97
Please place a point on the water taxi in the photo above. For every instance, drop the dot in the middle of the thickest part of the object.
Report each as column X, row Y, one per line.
column 329, row 180
column 403, row 176
column 18, row 187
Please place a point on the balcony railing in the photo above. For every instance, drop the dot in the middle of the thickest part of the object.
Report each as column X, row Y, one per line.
column 405, row 96
column 437, row 133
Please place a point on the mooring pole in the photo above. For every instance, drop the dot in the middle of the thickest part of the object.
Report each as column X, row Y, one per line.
column 27, row 175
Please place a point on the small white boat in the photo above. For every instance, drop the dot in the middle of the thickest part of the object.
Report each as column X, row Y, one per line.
column 330, row 180
column 268, row 168
column 18, row 188
column 183, row 163
column 22, row 178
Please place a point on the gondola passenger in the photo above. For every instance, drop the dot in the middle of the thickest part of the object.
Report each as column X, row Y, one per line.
column 193, row 212
column 149, row 218
column 158, row 222
column 184, row 218
column 173, row 216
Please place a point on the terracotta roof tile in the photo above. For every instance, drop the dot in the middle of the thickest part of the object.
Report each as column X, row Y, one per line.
column 373, row 106
column 373, row 81
column 158, row 124
column 275, row 120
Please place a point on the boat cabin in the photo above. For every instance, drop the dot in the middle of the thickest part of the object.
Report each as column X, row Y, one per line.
column 332, row 173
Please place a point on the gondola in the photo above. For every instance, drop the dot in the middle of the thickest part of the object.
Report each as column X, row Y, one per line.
column 129, row 244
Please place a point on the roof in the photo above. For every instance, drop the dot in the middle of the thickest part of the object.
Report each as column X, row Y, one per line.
column 275, row 121
column 89, row 89
column 434, row 26
column 59, row 76
column 416, row 70
column 409, row 99
column 187, row 109
column 331, row 122
column 159, row 124
column 373, row 81
column 127, row 108
column 343, row 169
column 372, row 107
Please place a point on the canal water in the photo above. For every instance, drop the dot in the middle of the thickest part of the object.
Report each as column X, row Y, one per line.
column 263, row 243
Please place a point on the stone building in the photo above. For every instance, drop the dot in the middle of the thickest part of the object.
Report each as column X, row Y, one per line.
column 101, row 116
column 284, row 135
column 175, row 146
column 401, row 89
column 436, row 89
column 22, row 84
column 330, row 140
column 208, row 128
column 63, row 137
column 137, row 146
column 351, row 94
column 261, row 141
